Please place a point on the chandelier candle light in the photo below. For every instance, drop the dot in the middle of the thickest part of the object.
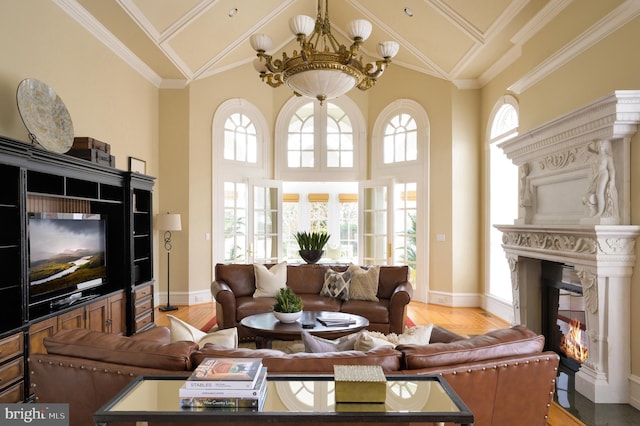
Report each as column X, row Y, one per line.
column 168, row 222
column 323, row 69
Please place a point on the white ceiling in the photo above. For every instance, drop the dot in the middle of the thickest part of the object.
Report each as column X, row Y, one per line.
column 174, row 42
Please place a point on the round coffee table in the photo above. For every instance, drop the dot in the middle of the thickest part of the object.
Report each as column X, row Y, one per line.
column 267, row 328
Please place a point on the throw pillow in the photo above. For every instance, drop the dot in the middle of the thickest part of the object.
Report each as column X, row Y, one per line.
column 269, row 281
column 336, row 284
column 316, row 344
column 418, row 335
column 364, row 284
column 181, row 330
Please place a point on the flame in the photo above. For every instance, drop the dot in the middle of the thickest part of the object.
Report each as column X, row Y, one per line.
column 571, row 343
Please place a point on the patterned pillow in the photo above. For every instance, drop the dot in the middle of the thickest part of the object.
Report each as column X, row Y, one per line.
column 336, row 284
column 317, row 344
column 364, row 284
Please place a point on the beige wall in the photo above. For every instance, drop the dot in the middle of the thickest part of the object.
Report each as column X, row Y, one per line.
column 106, row 99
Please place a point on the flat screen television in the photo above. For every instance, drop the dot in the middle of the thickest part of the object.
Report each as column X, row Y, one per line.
column 67, row 257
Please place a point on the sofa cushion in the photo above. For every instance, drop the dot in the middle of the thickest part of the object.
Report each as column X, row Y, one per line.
column 364, row 283
column 269, row 281
column 181, row 330
column 304, row 362
column 116, row 349
column 315, row 344
column 417, row 335
column 517, row 340
column 336, row 284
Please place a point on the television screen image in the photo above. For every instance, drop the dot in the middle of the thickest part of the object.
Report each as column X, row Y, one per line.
column 67, row 253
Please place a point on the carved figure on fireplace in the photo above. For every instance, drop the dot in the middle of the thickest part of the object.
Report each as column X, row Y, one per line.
column 525, row 189
column 602, row 197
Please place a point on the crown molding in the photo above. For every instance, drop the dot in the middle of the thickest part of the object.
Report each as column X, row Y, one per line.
column 606, row 26
column 88, row 22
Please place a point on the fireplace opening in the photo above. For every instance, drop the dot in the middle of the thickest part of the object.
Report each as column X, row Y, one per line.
column 563, row 313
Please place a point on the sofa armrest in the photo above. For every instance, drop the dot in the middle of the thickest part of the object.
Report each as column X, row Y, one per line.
column 400, row 298
column 225, row 304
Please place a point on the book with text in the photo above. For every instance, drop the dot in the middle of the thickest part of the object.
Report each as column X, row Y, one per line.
column 225, row 373
column 335, row 319
column 255, row 392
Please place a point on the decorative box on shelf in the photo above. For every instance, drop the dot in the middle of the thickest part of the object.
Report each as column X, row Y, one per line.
column 84, row 142
column 360, row 383
column 93, row 150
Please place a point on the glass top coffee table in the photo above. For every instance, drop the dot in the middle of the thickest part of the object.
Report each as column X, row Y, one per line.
column 267, row 328
column 292, row 399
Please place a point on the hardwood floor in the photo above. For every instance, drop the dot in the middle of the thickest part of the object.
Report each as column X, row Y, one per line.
column 464, row 321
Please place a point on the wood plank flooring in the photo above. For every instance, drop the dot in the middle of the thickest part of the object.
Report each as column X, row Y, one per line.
column 464, row 321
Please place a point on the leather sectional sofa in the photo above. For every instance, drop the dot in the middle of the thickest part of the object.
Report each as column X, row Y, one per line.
column 235, row 284
column 503, row 376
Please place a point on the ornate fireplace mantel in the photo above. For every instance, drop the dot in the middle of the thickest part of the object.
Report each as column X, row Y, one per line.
column 574, row 208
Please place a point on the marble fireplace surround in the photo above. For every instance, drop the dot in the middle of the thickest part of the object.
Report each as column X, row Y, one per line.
column 574, row 208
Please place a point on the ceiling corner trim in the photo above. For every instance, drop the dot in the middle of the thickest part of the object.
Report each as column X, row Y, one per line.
column 88, row 22
column 616, row 19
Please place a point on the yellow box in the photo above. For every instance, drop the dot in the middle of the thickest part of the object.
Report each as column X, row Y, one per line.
column 360, row 383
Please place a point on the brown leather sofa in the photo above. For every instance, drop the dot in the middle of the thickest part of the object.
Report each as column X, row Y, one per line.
column 503, row 376
column 235, row 284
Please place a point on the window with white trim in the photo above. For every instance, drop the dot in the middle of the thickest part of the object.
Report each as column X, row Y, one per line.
column 503, row 194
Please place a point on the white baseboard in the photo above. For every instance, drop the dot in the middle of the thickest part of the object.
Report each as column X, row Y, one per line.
column 498, row 307
column 634, row 391
column 455, row 300
column 184, row 298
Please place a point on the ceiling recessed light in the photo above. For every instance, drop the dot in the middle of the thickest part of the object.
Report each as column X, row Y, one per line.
column 408, row 12
column 233, row 12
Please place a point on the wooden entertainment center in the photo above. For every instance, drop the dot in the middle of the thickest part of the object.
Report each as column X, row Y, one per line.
column 38, row 181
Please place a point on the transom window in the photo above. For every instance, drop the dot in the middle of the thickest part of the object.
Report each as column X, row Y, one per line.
column 400, row 139
column 240, row 139
column 303, row 134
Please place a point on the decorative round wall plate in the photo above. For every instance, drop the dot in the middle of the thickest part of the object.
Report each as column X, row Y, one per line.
column 44, row 115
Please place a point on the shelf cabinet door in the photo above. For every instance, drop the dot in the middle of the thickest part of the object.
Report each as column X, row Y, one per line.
column 71, row 319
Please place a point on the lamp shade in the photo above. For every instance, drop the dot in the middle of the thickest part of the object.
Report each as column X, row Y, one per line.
column 321, row 84
column 169, row 222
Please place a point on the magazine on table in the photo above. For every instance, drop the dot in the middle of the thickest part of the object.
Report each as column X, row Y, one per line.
column 225, row 373
column 253, row 393
column 335, row 318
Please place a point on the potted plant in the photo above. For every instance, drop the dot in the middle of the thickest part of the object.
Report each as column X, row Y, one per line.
column 311, row 245
column 288, row 306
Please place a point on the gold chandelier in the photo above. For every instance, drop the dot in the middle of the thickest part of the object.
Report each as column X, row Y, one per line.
column 323, row 68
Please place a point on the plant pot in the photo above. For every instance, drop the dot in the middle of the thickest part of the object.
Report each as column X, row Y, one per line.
column 287, row 317
column 311, row 256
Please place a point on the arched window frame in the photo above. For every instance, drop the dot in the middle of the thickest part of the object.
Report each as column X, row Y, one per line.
column 407, row 172
column 499, row 301
column 260, row 168
column 235, row 172
column 320, row 172
column 417, row 112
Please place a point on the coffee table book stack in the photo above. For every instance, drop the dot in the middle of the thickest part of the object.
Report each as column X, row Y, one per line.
column 225, row 384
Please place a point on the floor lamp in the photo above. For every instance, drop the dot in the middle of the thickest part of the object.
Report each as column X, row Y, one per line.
column 168, row 222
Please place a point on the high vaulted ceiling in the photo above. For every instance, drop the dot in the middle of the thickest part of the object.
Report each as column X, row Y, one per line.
column 174, row 42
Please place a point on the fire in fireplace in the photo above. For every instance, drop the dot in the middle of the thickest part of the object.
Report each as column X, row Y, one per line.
column 573, row 344
column 564, row 312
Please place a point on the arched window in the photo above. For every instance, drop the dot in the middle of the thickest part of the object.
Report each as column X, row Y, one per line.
column 503, row 195
column 240, row 138
column 400, row 139
column 240, row 149
column 320, row 142
column 400, row 171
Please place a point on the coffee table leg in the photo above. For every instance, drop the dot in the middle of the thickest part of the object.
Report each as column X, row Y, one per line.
column 263, row 343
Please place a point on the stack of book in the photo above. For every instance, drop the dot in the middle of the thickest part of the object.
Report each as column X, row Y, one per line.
column 335, row 319
column 226, row 383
